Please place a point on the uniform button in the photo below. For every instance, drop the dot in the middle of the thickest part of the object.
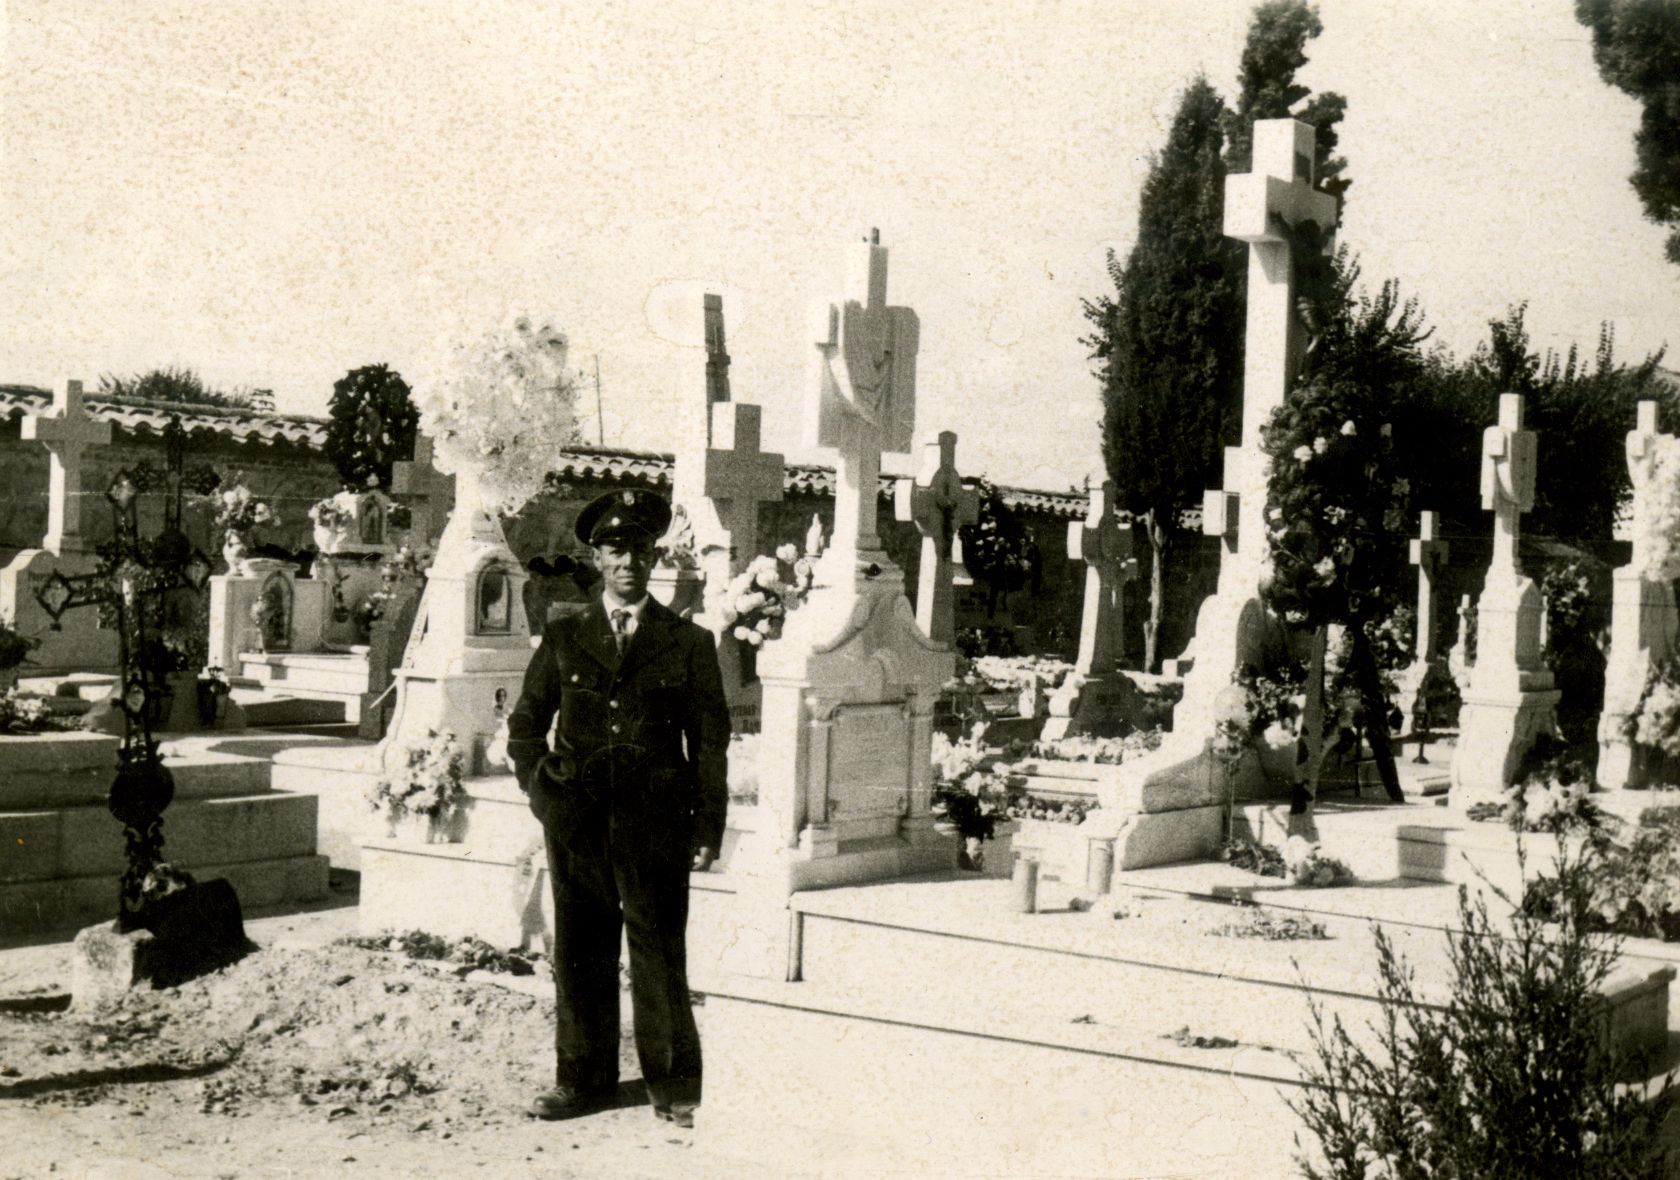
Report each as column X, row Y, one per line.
column 574, row 677
column 613, row 704
column 615, row 729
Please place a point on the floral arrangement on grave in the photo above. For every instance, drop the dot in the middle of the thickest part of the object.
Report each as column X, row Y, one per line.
column 1553, row 793
column 1336, row 501
column 497, row 410
column 997, row 550
column 332, row 519
column 428, row 782
column 21, row 714
column 238, row 512
column 15, row 646
column 970, row 793
column 213, row 689
column 757, row 600
column 371, row 424
column 1655, row 723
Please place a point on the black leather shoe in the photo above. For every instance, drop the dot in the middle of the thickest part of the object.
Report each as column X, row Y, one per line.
column 680, row 1113
column 564, row 1103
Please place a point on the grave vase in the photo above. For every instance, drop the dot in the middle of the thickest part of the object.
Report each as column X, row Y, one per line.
column 413, row 827
column 234, row 551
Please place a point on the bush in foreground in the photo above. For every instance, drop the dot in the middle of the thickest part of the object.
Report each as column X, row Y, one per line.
column 1511, row 1079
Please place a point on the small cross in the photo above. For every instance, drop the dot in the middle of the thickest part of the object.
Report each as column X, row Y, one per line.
column 420, row 478
column 1429, row 554
column 938, row 503
column 723, row 485
column 66, row 433
column 1106, row 549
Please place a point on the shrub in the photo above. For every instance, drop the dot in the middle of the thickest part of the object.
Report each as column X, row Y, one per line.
column 1510, row 1079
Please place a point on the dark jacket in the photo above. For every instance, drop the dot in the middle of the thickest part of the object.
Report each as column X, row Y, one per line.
column 646, row 737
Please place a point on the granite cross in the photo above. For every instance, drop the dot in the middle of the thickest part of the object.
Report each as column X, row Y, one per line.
column 1509, row 458
column 420, row 478
column 1429, row 554
column 938, row 504
column 735, row 477
column 1268, row 207
column 66, row 433
column 1106, row 550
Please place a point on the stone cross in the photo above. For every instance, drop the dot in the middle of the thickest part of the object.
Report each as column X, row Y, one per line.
column 1509, row 458
column 1106, row 550
column 865, row 400
column 66, row 433
column 1261, row 206
column 723, row 485
column 420, row 478
column 938, row 503
column 717, row 354
column 1429, row 554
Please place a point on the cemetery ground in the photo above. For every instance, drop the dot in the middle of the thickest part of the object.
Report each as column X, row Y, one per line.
column 309, row 1057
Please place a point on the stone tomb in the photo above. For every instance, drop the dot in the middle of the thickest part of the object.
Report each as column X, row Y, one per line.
column 304, row 641
column 78, row 644
column 63, row 852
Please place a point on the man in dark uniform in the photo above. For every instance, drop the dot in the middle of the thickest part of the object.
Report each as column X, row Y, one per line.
column 631, row 797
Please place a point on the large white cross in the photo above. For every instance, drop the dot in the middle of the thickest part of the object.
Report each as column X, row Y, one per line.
column 420, row 478
column 1106, row 550
column 66, row 433
column 1278, row 194
column 938, row 504
column 1510, row 455
column 1429, row 553
column 865, row 396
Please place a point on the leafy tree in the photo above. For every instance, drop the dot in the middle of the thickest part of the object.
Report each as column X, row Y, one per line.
column 1636, row 44
column 372, row 423
column 170, row 384
column 1267, row 89
column 1168, row 341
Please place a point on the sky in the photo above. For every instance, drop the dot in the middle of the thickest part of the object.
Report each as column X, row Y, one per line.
column 274, row 193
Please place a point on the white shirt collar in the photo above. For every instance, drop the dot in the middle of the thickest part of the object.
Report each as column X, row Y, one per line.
column 635, row 608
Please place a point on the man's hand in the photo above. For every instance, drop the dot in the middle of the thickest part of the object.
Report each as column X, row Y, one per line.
column 703, row 858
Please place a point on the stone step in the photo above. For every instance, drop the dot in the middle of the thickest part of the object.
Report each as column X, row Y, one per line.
column 265, row 707
column 48, row 844
column 76, row 769
column 30, row 908
column 339, row 675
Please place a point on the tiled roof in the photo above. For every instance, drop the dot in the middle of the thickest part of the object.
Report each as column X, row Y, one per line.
column 597, row 464
column 143, row 418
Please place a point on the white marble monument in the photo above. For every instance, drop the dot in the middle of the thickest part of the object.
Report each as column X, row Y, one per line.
column 1512, row 699
column 938, row 503
column 1167, row 806
column 844, row 765
column 78, row 644
column 1089, row 700
column 1644, row 626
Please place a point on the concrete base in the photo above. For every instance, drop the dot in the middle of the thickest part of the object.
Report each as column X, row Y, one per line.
column 1495, row 732
column 190, row 932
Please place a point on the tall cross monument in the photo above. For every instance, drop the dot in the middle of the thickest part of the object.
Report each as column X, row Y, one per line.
column 1511, row 699
column 1088, row 700
column 938, row 503
column 865, row 400
column 66, row 433
column 1429, row 553
column 1644, row 623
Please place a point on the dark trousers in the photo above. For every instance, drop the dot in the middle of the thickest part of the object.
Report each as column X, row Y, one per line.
column 612, row 875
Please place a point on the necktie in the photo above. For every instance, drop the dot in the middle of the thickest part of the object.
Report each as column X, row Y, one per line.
column 621, row 630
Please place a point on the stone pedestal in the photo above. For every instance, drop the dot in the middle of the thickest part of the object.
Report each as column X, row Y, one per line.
column 1643, row 631
column 79, row 644
column 193, row 931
